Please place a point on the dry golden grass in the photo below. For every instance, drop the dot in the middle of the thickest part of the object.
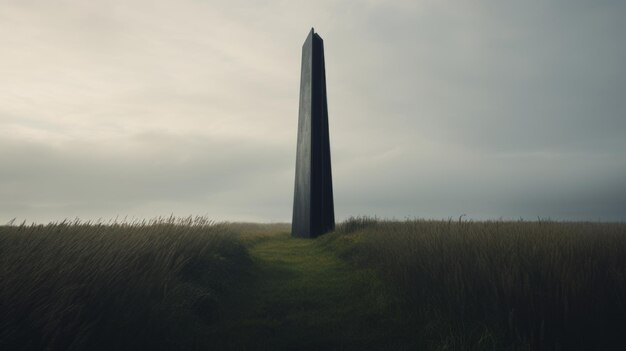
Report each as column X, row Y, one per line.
column 193, row 284
column 116, row 286
column 541, row 284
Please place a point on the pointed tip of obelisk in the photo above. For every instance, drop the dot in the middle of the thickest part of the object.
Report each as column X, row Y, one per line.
column 313, row 34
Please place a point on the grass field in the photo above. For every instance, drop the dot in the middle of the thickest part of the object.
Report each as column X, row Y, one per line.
column 537, row 285
column 433, row 285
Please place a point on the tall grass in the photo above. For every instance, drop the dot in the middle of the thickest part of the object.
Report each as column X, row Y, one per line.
column 183, row 283
column 545, row 285
column 141, row 285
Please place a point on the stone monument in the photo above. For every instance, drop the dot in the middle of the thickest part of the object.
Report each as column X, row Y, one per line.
column 313, row 209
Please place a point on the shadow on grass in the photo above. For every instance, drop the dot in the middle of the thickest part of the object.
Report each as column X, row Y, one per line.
column 307, row 298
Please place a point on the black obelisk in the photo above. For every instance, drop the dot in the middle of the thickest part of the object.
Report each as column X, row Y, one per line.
column 313, row 210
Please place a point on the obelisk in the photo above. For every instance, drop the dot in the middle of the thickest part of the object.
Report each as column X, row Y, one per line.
column 313, row 209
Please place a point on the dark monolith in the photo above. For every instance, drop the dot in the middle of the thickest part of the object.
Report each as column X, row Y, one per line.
column 313, row 210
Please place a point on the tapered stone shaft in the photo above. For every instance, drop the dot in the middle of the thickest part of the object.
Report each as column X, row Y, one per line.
column 313, row 209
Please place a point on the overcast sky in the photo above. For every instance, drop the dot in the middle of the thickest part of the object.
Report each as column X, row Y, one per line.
column 436, row 109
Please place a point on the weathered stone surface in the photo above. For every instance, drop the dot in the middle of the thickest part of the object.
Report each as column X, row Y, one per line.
column 313, row 209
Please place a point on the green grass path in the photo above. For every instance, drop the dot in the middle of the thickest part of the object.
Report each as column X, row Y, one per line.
column 305, row 297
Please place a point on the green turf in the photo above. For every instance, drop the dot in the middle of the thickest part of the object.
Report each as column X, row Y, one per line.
column 305, row 297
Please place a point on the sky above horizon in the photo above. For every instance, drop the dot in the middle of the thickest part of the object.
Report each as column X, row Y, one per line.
column 149, row 108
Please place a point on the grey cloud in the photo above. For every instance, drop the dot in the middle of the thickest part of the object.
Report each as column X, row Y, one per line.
column 184, row 169
column 146, row 108
column 559, row 186
column 508, row 76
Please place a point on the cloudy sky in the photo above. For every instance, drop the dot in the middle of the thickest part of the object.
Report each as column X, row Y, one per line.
column 436, row 109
